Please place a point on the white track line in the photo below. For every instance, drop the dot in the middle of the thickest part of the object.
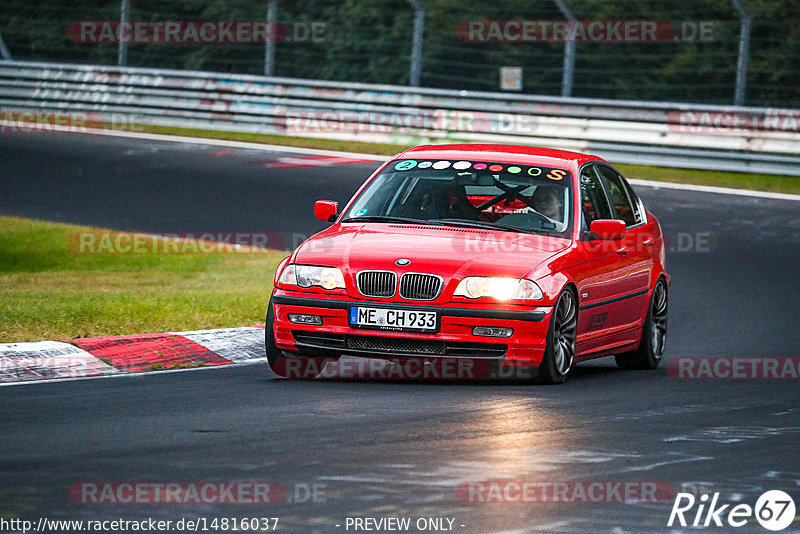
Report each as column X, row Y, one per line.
column 135, row 375
column 236, row 144
column 45, row 360
column 717, row 190
column 373, row 157
column 234, row 344
column 36, row 362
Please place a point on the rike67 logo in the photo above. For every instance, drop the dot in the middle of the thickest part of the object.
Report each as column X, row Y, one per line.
column 774, row 510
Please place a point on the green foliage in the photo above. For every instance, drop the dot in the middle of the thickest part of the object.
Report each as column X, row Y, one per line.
column 48, row 290
column 370, row 41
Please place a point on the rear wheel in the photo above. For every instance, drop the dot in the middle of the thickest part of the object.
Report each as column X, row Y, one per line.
column 654, row 334
column 559, row 353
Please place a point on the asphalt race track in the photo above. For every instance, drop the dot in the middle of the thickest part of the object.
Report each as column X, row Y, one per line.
column 395, row 449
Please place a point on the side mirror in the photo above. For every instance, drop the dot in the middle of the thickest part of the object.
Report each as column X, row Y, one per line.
column 608, row 229
column 326, row 210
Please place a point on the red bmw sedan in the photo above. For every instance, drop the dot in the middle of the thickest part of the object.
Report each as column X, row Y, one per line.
column 527, row 259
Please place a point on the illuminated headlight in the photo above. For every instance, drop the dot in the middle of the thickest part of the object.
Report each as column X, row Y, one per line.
column 474, row 287
column 311, row 275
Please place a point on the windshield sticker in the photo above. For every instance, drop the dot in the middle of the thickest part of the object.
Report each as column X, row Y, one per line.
column 360, row 212
column 514, row 170
column 461, row 165
column 556, row 174
column 479, row 166
column 405, row 165
column 424, row 164
column 441, row 164
column 534, row 171
column 495, row 168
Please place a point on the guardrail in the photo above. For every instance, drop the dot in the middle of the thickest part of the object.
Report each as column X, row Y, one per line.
column 670, row 134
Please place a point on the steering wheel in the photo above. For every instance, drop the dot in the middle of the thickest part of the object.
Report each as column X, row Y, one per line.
column 527, row 218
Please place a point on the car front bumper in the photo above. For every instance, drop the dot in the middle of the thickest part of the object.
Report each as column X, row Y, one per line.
column 454, row 339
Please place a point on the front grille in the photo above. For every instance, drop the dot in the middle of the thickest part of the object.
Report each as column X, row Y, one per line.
column 416, row 286
column 376, row 283
column 381, row 345
column 320, row 339
column 397, row 345
column 476, row 350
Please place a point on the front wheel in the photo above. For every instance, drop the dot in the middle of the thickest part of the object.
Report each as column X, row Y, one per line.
column 559, row 353
column 273, row 353
column 287, row 366
column 654, row 334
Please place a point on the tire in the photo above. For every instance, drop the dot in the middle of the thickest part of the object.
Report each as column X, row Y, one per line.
column 559, row 353
column 273, row 353
column 300, row 368
column 654, row 333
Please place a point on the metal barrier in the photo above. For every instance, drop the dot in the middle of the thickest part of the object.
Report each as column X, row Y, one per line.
column 681, row 135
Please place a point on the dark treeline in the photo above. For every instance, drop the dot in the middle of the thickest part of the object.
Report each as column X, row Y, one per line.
column 370, row 41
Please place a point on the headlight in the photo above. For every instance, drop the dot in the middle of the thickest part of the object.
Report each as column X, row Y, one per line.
column 474, row 287
column 527, row 289
column 311, row 275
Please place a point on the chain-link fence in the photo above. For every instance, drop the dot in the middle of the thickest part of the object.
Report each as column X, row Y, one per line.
column 707, row 51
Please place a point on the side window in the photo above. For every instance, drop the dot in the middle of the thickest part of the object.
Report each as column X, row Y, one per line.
column 627, row 209
column 638, row 208
column 593, row 199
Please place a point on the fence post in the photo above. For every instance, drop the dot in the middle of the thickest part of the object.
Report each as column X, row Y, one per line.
column 4, row 53
column 272, row 33
column 744, row 54
column 569, row 50
column 124, row 18
column 416, row 46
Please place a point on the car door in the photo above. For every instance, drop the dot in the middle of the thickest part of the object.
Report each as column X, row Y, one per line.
column 634, row 255
column 602, row 278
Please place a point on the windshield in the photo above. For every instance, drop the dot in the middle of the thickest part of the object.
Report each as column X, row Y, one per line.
column 504, row 196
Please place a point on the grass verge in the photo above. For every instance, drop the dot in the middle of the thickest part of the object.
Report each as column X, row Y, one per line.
column 50, row 291
column 736, row 180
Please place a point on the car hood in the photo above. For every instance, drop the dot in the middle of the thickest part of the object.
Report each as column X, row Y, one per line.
column 450, row 252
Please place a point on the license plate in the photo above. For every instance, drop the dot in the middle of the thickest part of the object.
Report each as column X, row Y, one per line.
column 394, row 319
